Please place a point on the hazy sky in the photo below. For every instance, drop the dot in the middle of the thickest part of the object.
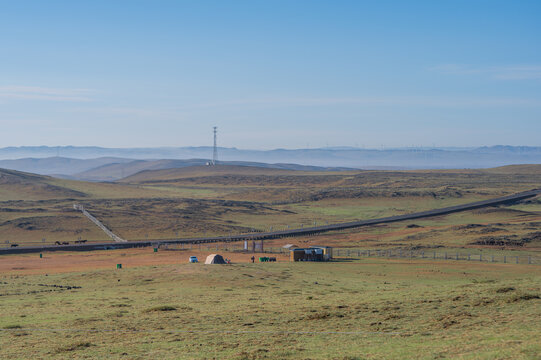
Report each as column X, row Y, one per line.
column 270, row 73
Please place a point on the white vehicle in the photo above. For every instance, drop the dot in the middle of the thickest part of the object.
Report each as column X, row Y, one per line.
column 193, row 259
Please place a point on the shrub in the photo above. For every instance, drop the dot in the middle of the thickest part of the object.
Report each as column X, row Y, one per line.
column 161, row 308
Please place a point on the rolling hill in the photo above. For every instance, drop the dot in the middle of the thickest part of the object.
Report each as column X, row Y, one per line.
column 16, row 185
column 517, row 169
column 58, row 165
column 198, row 200
column 205, row 171
column 398, row 158
column 117, row 171
column 113, row 168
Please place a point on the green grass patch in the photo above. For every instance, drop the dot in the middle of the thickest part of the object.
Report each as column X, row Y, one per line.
column 383, row 309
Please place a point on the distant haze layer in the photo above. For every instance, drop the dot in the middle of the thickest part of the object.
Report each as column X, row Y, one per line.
column 71, row 160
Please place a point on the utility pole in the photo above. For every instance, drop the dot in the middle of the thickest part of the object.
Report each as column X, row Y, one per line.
column 215, row 152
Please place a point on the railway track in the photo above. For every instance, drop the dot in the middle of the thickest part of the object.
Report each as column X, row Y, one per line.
column 280, row 234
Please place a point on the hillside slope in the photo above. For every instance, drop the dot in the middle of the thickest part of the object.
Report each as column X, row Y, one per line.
column 58, row 165
column 113, row 172
column 528, row 169
column 205, row 171
column 16, row 185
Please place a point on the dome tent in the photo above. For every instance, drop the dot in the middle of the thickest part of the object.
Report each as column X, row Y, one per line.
column 214, row 259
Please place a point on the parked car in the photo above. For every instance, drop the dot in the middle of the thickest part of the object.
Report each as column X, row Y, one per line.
column 193, row 259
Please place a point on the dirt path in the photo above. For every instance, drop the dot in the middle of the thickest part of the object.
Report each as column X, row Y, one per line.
column 63, row 262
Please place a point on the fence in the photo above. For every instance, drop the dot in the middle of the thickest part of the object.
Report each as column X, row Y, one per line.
column 387, row 253
column 230, row 247
column 435, row 255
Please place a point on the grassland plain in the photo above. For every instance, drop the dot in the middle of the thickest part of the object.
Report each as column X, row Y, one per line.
column 348, row 309
column 200, row 201
column 373, row 308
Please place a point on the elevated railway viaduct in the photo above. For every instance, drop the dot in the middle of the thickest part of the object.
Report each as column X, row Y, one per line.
column 280, row 234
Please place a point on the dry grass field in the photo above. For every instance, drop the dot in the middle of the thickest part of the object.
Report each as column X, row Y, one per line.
column 78, row 305
column 198, row 201
column 159, row 306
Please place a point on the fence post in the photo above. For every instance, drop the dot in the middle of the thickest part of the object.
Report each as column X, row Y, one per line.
column 457, row 256
column 469, row 257
column 368, row 253
column 480, row 257
column 423, row 254
column 445, row 256
column 504, row 259
column 516, row 259
column 434, row 255
column 529, row 259
column 492, row 258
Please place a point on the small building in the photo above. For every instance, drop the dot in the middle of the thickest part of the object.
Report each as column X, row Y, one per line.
column 306, row 254
column 327, row 251
column 290, row 246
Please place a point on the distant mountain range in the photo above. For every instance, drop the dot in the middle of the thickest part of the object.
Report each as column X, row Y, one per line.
column 108, row 164
column 112, row 169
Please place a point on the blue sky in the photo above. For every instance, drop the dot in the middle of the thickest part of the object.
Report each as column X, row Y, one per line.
column 270, row 74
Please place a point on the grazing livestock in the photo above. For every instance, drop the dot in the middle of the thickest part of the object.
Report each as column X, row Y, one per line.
column 14, row 245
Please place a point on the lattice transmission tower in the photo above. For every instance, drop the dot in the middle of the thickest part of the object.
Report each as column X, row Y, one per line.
column 215, row 150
